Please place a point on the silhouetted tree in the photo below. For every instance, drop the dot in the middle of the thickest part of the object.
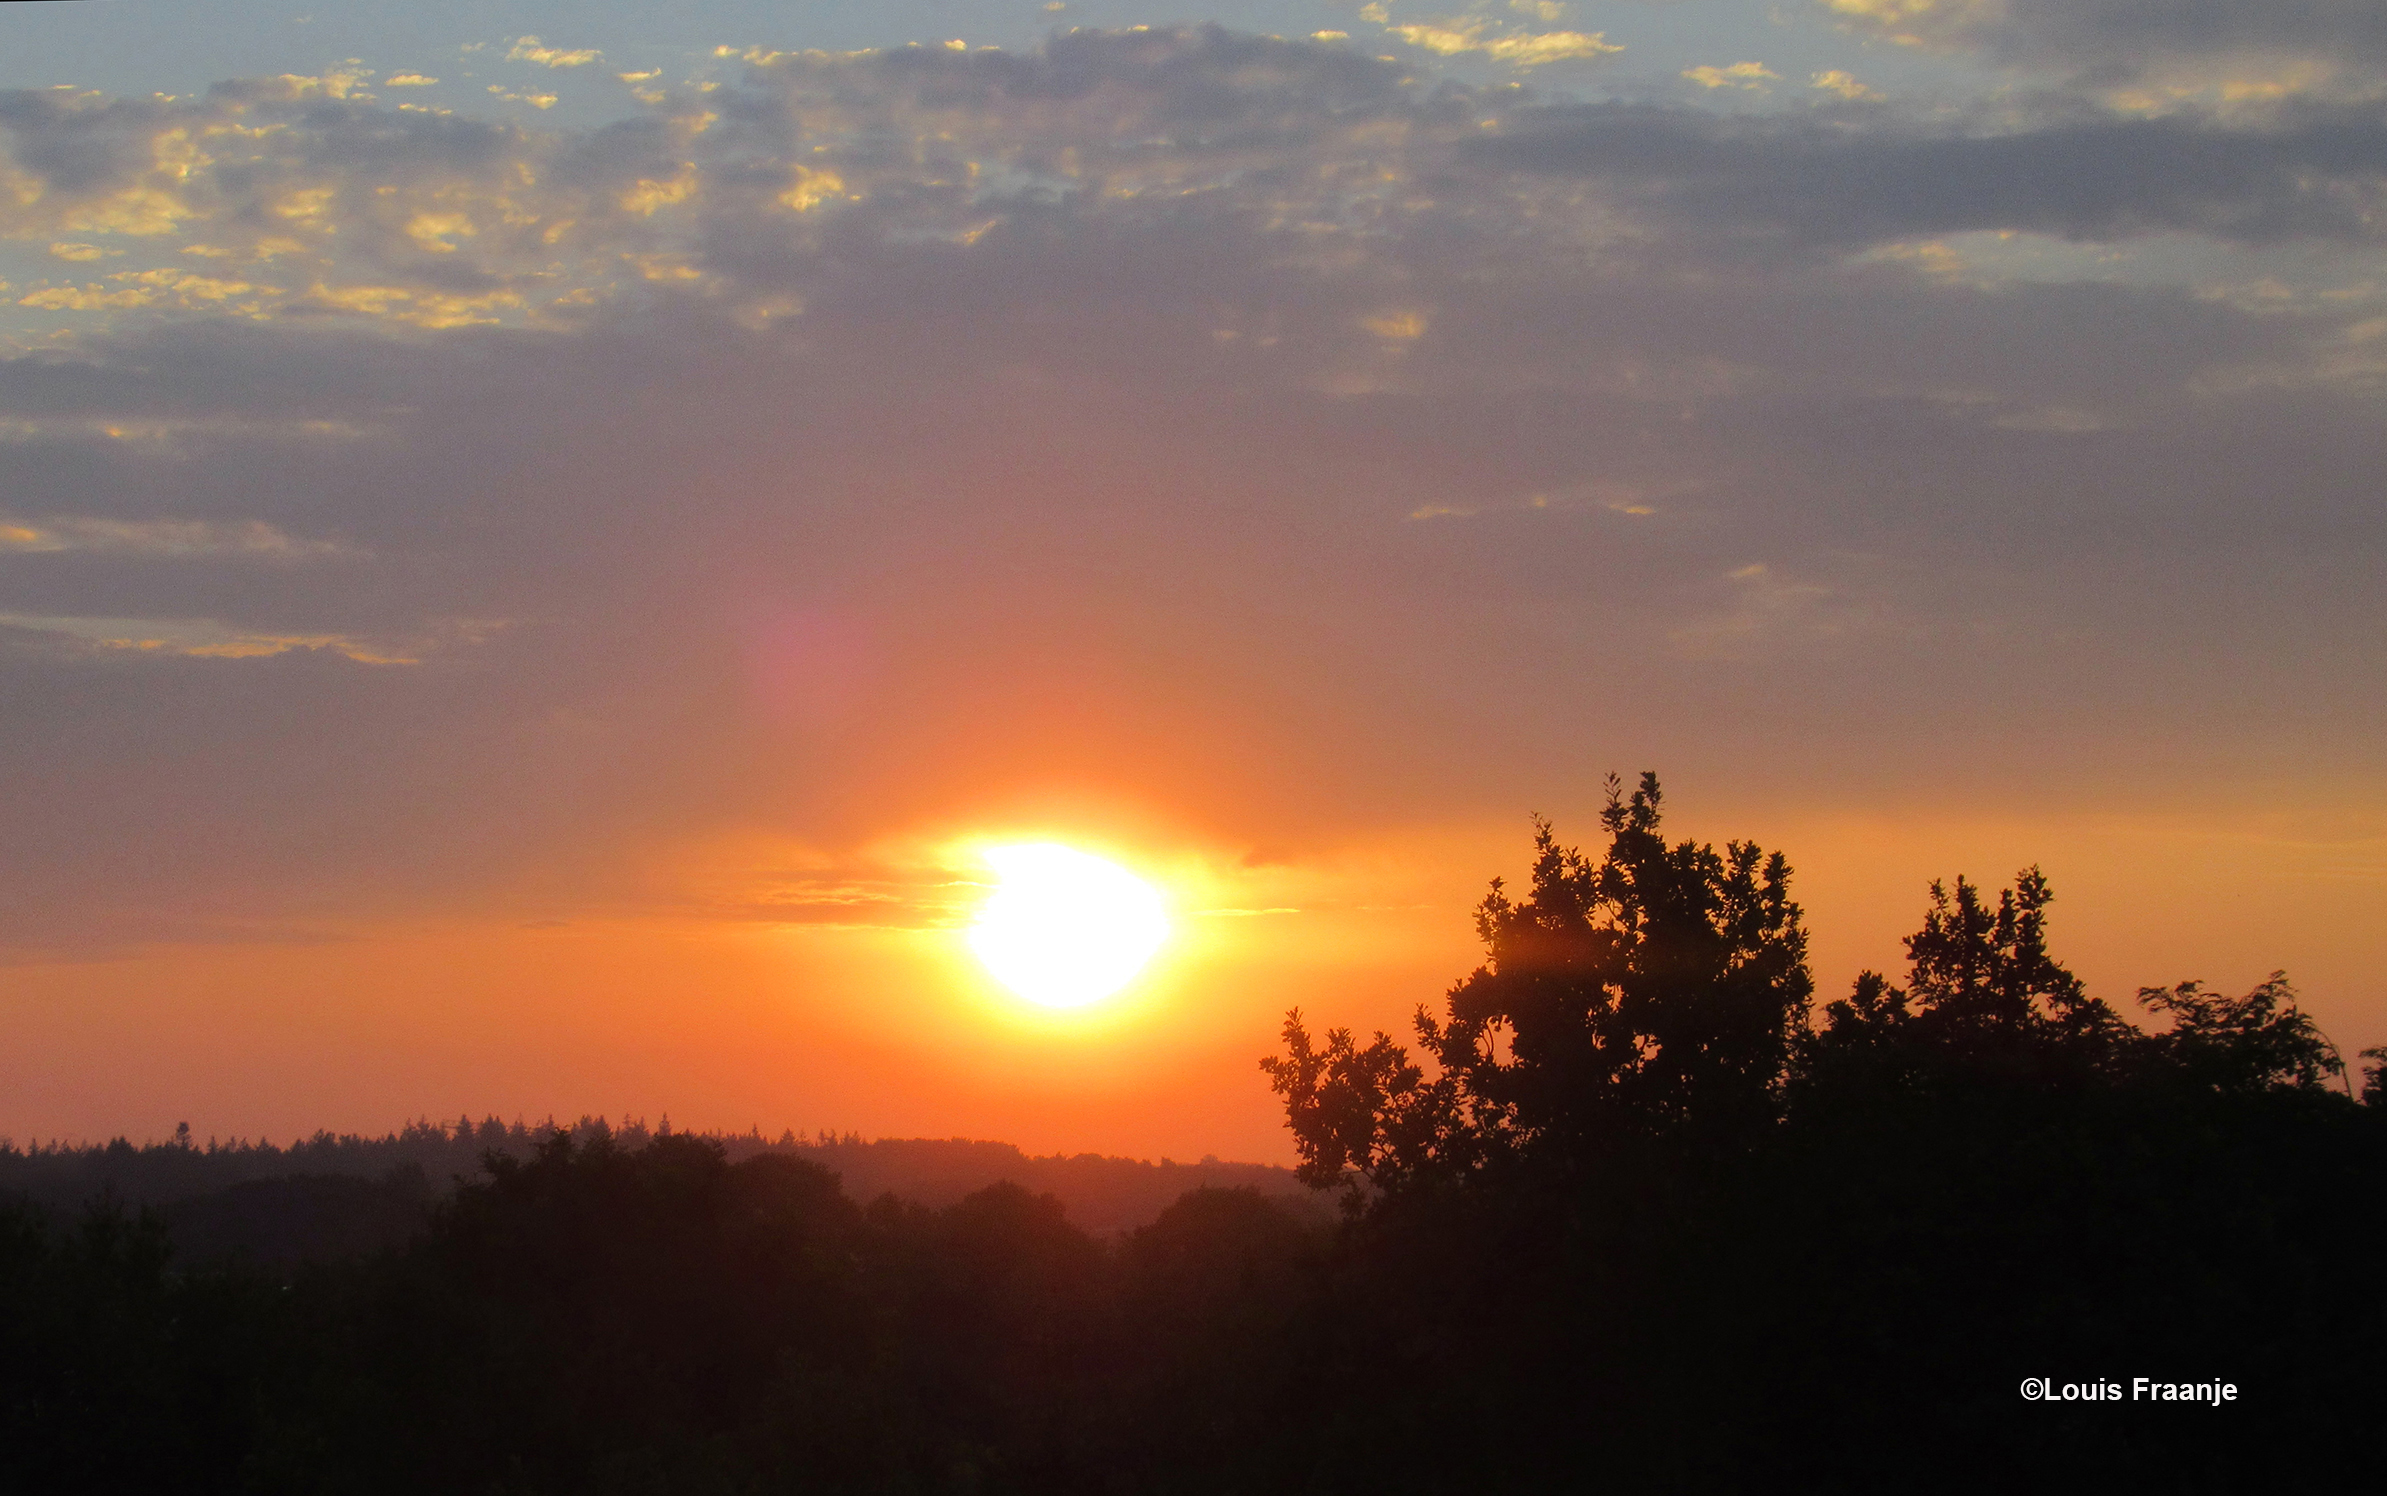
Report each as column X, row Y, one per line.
column 1653, row 993
column 1986, row 1003
column 1983, row 996
column 2260, row 1041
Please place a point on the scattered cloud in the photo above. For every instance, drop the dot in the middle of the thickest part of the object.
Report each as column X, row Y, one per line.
column 1458, row 35
column 198, row 639
column 928, row 901
column 165, row 539
column 1768, row 614
column 1847, row 87
column 1750, row 75
column 530, row 49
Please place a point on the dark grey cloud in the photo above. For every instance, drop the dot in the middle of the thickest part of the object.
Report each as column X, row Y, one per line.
column 2131, row 33
column 72, row 145
column 1835, row 179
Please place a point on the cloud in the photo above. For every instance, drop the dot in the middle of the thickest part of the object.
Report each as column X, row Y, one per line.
column 1769, row 614
column 165, row 539
column 1747, row 75
column 530, row 49
column 200, row 638
column 305, row 204
column 2316, row 173
column 2090, row 34
column 1456, row 36
column 1842, row 84
column 870, row 894
column 921, row 438
column 165, row 286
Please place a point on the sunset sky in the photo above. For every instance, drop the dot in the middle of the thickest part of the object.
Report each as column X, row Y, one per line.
column 539, row 543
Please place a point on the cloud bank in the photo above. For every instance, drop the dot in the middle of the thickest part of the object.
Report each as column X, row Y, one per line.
column 406, row 509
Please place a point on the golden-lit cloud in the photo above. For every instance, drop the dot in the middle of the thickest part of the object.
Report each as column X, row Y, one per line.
column 1746, row 75
column 1834, row 81
column 1915, row 22
column 531, row 49
column 201, row 639
column 433, row 220
column 164, row 538
column 1459, row 35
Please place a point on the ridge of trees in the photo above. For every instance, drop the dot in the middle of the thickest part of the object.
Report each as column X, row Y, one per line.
column 1659, row 996
column 334, row 1193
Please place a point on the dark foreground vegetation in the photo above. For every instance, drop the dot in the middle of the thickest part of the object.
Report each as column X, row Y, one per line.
column 1633, row 1216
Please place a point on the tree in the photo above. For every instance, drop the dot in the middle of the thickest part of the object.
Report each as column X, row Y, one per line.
column 1986, row 1001
column 1984, row 998
column 2240, row 1045
column 1651, row 995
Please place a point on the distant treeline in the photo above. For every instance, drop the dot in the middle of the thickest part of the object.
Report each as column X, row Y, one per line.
column 1632, row 1215
column 336, row 1194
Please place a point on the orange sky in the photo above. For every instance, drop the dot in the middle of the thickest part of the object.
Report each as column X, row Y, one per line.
column 894, row 1031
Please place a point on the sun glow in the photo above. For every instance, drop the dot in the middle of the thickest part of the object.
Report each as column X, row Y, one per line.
column 1064, row 928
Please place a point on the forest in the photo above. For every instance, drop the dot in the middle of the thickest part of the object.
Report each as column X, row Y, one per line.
column 336, row 1195
column 1630, row 1210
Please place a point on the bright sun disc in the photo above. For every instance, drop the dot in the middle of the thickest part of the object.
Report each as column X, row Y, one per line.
column 1064, row 928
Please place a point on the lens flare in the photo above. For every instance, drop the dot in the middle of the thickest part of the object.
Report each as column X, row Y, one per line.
column 1064, row 928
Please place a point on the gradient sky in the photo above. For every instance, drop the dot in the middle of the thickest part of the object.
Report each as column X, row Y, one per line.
column 536, row 539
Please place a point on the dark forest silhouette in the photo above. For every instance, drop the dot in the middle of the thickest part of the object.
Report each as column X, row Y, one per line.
column 1632, row 1215
column 335, row 1194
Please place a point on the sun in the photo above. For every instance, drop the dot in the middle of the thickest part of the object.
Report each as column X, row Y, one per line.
column 1065, row 928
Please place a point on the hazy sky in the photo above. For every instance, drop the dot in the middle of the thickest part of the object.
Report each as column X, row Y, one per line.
column 535, row 539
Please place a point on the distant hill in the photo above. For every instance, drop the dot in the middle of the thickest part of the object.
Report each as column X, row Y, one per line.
column 1102, row 1194
column 344, row 1195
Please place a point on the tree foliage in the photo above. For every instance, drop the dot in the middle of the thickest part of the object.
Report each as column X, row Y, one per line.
column 1651, row 994
column 1987, row 1003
